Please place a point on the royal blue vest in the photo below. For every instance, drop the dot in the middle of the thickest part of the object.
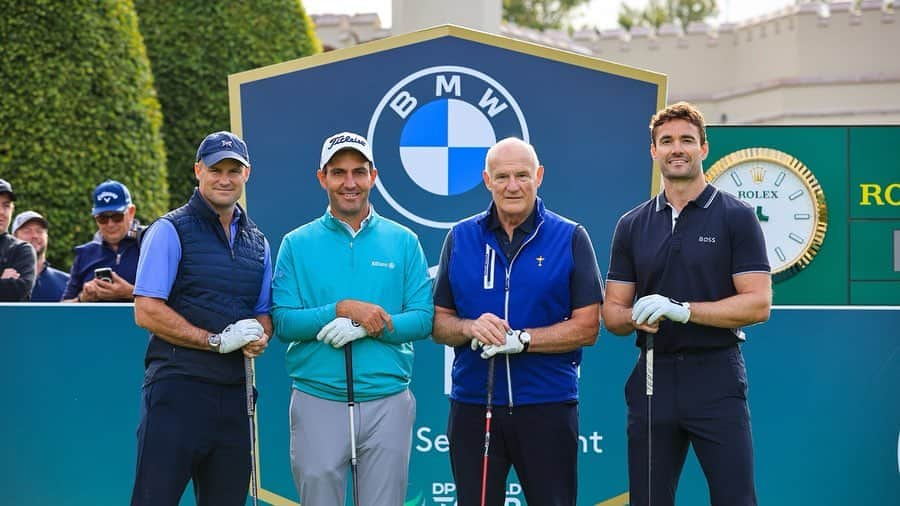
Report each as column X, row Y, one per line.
column 216, row 285
column 530, row 290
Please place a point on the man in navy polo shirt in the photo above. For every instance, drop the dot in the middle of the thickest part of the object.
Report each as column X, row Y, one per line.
column 50, row 283
column 517, row 285
column 203, row 291
column 115, row 247
column 688, row 268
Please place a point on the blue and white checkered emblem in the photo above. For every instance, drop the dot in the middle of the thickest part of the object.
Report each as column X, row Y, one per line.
column 430, row 134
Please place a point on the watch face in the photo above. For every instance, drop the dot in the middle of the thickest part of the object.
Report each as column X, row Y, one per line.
column 787, row 199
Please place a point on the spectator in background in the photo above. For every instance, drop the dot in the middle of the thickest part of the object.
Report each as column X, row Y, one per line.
column 116, row 249
column 49, row 283
column 16, row 257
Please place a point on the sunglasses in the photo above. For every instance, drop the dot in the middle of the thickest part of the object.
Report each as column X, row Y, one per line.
column 103, row 219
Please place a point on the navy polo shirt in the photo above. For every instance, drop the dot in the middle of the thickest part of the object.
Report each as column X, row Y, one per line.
column 716, row 236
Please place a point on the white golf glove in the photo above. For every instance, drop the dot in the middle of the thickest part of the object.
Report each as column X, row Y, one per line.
column 341, row 331
column 515, row 343
column 651, row 308
column 238, row 334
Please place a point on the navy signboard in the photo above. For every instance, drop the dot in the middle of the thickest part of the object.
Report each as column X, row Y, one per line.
column 431, row 103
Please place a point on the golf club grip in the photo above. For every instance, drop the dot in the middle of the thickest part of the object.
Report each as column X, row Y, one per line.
column 248, row 374
column 649, row 363
column 490, row 383
column 348, row 362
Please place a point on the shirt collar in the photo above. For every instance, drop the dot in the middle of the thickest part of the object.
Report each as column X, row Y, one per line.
column 527, row 226
column 703, row 200
column 362, row 224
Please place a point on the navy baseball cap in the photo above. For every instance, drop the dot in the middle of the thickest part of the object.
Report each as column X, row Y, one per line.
column 221, row 145
column 111, row 197
column 5, row 187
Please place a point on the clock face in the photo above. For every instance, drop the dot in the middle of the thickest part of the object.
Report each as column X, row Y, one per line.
column 788, row 201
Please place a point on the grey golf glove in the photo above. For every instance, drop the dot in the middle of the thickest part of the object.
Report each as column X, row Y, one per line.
column 238, row 334
column 515, row 343
column 340, row 331
column 651, row 308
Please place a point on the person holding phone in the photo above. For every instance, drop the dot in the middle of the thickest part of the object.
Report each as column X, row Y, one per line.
column 113, row 252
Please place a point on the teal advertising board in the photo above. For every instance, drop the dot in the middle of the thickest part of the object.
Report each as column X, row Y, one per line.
column 823, row 400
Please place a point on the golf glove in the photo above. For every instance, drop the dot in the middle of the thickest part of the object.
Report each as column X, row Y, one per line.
column 238, row 334
column 515, row 343
column 341, row 331
column 651, row 308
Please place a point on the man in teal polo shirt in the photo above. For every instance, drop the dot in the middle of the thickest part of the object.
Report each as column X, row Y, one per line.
column 351, row 275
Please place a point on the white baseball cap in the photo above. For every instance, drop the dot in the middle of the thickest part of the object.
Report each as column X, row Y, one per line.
column 345, row 140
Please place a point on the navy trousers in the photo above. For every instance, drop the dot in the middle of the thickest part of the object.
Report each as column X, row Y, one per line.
column 699, row 399
column 191, row 430
column 540, row 440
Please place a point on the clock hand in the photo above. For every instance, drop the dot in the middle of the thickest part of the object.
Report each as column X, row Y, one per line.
column 760, row 215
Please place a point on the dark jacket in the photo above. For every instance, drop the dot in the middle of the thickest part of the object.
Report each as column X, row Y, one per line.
column 18, row 255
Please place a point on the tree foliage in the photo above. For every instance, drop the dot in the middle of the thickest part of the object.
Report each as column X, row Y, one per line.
column 539, row 14
column 78, row 107
column 193, row 46
column 659, row 12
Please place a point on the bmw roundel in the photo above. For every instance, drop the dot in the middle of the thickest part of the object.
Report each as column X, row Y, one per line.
column 430, row 134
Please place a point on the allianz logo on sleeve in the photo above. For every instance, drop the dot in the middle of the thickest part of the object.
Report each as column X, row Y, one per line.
column 385, row 265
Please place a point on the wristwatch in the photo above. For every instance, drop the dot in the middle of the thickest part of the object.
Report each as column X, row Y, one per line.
column 525, row 339
column 214, row 340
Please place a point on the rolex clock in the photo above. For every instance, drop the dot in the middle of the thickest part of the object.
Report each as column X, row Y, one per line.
column 788, row 200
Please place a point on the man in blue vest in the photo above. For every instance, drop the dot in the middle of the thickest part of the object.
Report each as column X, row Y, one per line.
column 16, row 257
column 203, row 291
column 689, row 267
column 518, row 285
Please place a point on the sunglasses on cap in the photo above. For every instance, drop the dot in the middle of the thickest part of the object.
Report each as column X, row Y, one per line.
column 103, row 219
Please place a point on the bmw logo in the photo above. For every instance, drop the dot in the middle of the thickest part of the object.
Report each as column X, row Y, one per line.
column 429, row 135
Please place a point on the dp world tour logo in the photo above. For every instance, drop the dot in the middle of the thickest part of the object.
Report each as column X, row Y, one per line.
column 429, row 136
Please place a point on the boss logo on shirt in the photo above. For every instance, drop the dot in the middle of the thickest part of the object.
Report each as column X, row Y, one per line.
column 704, row 238
column 386, row 265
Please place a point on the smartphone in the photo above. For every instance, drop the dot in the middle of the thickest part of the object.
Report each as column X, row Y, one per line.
column 104, row 273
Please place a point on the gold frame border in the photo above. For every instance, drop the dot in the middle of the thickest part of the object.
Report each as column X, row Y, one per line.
column 817, row 238
column 235, row 81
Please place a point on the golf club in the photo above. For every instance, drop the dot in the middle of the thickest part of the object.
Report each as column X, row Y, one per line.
column 348, row 360
column 251, row 409
column 487, row 428
column 649, row 363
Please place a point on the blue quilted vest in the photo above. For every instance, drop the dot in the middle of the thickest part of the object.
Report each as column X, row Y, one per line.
column 530, row 290
column 216, row 285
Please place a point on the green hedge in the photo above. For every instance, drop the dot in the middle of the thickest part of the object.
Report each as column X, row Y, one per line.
column 78, row 107
column 193, row 46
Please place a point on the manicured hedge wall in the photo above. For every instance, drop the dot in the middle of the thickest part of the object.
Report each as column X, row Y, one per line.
column 78, row 106
column 194, row 45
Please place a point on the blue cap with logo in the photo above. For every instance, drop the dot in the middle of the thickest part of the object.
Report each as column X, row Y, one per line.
column 221, row 145
column 111, row 197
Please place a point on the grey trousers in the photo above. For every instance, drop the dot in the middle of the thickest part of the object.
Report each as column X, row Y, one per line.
column 320, row 449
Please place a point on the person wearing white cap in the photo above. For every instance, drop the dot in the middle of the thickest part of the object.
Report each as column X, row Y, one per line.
column 49, row 283
column 350, row 295
column 16, row 257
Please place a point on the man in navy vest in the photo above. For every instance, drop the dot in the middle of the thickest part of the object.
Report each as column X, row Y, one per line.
column 203, row 291
column 518, row 285
column 689, row 267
